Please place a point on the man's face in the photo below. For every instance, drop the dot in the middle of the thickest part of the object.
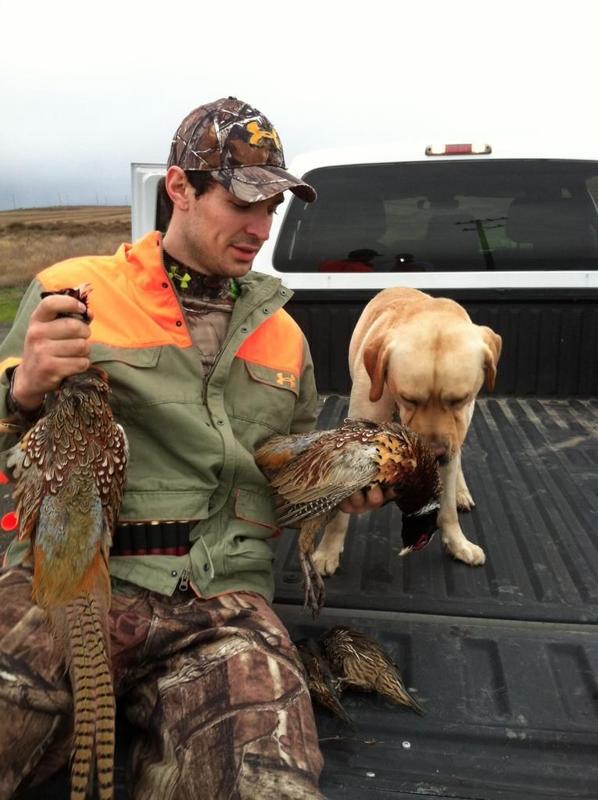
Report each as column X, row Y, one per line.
column 224, row 234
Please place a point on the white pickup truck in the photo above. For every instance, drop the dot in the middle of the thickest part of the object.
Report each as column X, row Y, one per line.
column 505, row 656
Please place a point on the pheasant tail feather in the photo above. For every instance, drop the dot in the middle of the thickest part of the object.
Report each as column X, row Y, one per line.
column 93, row 693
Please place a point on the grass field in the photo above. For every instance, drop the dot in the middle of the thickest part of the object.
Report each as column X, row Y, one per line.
column 31, row 239
column 10, row 297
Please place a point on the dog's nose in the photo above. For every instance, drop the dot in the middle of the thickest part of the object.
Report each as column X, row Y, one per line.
column 440, row 450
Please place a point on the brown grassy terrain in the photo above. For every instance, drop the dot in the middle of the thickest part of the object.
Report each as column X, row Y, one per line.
column 31, row 239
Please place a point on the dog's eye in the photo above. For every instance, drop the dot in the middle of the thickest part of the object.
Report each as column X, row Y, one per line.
column 408, row 401
column 453, row 402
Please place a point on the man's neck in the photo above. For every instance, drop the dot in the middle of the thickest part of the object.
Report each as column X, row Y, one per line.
column 191, row 282
column 176, row 253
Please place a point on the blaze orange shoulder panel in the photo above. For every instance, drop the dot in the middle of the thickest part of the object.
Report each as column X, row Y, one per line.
column 277, row 343
column 132, row 301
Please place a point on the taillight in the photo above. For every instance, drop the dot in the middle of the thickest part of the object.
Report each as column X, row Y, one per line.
column 458, row 149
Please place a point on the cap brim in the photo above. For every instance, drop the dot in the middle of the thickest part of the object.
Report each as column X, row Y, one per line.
column 252, row 184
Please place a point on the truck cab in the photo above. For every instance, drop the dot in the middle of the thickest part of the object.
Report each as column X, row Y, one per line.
column 508, row 234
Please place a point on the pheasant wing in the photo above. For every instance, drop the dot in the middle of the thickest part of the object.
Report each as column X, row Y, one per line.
column 279, row 450
column 27, row 462
column 321, row 477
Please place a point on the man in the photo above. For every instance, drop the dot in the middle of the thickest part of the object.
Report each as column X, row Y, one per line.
column 204, row 366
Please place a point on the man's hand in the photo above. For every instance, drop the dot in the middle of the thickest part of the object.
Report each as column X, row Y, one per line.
column 367, row 500
column 55, row 347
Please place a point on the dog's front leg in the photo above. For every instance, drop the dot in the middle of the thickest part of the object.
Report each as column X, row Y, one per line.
column 328, row 553
column 465, row 501
column 451, row 534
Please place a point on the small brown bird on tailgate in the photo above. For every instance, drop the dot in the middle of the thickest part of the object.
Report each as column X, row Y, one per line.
column 359, row 662
column 69, row 470
column 311, row 473
column 324, row 687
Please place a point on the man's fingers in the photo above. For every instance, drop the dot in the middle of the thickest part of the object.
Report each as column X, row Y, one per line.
column 54, row 305
column 58, row 328
column 354, row 504
column 40, row 349
column 368, row 500
column 56, row 346
column 30, row 386
column 375, row 496
column 68, row 348
column 65, row 367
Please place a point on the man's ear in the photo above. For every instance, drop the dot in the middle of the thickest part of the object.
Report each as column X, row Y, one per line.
column 177, row 188
column 375, row 357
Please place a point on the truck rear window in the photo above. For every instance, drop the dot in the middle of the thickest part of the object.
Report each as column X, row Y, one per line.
column 435, row 216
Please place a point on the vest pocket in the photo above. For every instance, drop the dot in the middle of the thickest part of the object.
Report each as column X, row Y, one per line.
column 256, row 508
column 277, row 379
column 134, row 357
column 261, row 400
column 130, row 374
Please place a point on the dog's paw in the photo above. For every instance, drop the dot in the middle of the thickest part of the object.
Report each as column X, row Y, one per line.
column 465, row 501
column 469, row 553
column 326, row 562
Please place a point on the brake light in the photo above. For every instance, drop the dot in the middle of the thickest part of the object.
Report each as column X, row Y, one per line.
column 458, row 149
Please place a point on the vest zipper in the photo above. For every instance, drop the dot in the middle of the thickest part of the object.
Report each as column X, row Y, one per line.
column 183, row 583
column 231, row 332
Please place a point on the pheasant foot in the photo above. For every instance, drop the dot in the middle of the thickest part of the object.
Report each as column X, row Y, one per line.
column 313, row 584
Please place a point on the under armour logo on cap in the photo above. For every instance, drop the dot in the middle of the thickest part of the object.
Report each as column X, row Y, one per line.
column 240, row 148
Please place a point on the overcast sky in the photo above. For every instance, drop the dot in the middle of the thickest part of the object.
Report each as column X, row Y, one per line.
column 87, row 88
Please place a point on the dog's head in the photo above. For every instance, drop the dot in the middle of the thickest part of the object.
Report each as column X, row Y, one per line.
column 434, row 365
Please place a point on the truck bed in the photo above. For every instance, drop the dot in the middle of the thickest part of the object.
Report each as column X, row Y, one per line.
column 503, row 657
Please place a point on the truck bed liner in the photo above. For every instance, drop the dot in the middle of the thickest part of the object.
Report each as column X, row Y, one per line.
column 504, row 657
column 532, row 468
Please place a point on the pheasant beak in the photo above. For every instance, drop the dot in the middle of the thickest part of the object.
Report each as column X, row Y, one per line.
column 422, row 542
column 419, row 528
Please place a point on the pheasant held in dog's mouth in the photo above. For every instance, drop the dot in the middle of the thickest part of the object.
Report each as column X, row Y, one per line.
column 311, row 473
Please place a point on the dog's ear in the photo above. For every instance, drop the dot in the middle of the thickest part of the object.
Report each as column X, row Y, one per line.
column 375, row 357
column 493, row 347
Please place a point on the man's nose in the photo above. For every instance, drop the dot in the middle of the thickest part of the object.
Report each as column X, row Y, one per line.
column 259, row 224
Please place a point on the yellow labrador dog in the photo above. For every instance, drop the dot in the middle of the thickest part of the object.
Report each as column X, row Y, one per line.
column 424, row 358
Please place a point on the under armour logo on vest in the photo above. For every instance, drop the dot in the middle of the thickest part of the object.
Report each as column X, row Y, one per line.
column 286, row 379
column 257, row 134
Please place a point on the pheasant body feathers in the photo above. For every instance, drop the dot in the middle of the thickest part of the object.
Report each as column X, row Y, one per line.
column 70, row 470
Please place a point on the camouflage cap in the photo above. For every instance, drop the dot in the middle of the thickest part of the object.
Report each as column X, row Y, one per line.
column 240, row 149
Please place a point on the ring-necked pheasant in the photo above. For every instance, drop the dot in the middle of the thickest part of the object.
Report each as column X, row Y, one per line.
column 70, row 470
column 311, row 473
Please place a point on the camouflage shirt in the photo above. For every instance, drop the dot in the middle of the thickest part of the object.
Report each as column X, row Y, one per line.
column 208, row 304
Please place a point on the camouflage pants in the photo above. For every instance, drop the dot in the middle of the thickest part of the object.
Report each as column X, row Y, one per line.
column 213, row 687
